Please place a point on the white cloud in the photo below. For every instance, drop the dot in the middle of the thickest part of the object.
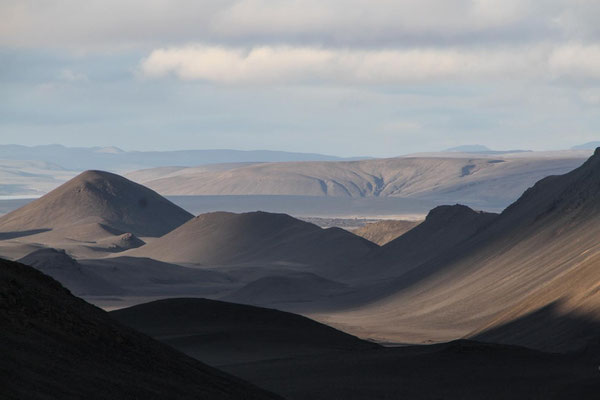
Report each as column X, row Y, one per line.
column 286, row 64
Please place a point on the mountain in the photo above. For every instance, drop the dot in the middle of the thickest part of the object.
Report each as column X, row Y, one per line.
column 223, row 238
column 490, row 182
column 383, row 232
column 480, row 149
column 114, row 159
column 228, row 333
column 470, row 148
column 533, row 267
column 442, row 230
column 101, row 201
column 55, row 345
column 587, row 146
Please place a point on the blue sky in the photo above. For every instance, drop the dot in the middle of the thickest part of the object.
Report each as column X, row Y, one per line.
column 347, row 78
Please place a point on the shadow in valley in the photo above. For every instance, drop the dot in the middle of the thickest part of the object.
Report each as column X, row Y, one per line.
column 18, row 234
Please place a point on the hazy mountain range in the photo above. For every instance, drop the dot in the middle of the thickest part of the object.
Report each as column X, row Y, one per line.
column 115, row 159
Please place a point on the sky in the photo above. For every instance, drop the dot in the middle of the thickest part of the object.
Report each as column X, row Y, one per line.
column 341, row 77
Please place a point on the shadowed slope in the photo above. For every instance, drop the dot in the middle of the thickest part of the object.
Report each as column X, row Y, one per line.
column 226, row 333
column 99, row 197
column 540, row 249
column 226, row 238
column 60, row 266
column 443, row 229
column 55, row 345
column 297, row 288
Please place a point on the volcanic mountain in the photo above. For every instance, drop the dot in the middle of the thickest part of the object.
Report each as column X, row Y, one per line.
column 97, row 201
column 222, row 238
column 55, row 345
column 541, row 254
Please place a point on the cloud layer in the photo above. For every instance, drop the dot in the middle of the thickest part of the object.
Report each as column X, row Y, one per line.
column 112, row 23
column 285, row 64
column 351, row 77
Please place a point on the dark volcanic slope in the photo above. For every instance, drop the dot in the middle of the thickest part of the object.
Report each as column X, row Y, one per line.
column 56, row 346
column 443, row 229
column 226, row 333
column 225, row 238
column 459, row 371
column 97, row 197
column 62, row 267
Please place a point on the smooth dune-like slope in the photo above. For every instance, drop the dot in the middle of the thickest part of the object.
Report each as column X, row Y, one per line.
column 55, row 345
column 226, row 238
column 476, row 180
column 97, row 197
column 540, row 250
column 383, row 232
column 227, row 333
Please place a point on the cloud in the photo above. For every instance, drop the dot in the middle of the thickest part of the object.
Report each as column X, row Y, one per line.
column 350, row 23
column 286, row 64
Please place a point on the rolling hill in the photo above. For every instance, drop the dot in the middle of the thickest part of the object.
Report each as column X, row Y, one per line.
column 223, row 238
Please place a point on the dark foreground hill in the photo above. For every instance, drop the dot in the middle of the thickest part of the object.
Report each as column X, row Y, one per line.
column 302, row 359
column 56, row 346
column 451, row 371
column 226, row 333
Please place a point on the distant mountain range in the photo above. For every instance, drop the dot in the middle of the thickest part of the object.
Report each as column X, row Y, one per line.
column 587, row 146
column 117, row 160
column 480, row 149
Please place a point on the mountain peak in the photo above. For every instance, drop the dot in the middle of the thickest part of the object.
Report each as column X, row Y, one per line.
column 99, row 197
